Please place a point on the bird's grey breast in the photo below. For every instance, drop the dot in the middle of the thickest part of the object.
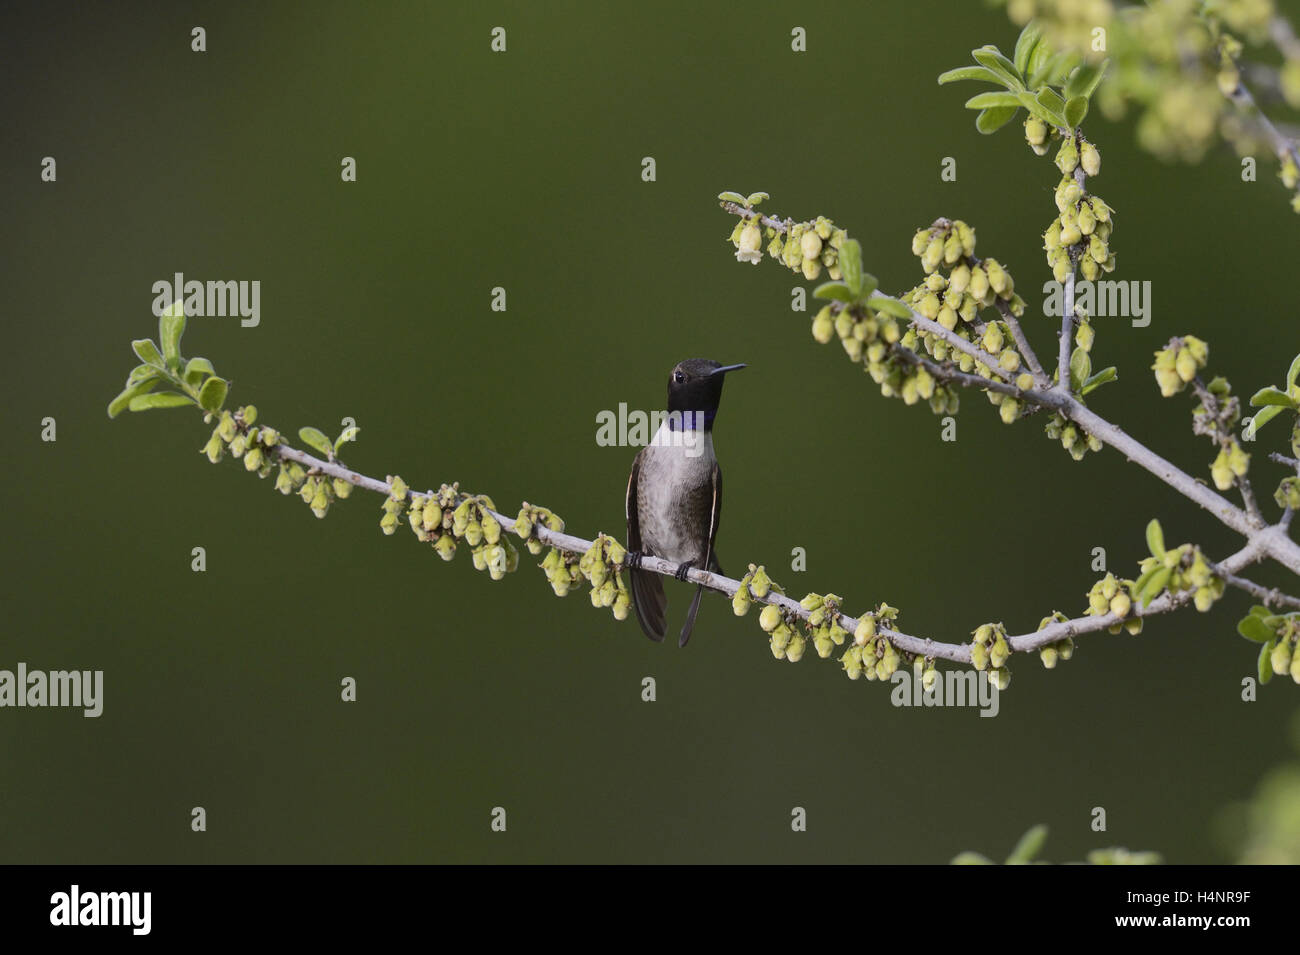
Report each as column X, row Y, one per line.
column 675, row 498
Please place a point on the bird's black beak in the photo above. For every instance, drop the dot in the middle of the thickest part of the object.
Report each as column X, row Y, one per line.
column 726, row 368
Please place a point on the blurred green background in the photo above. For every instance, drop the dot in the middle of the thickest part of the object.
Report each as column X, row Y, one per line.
column 523, row 170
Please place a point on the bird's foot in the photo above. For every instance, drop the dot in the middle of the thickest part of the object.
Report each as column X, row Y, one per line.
column 633, row 559
column 683, row 569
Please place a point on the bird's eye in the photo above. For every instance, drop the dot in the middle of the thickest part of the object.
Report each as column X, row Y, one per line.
column 678, row 377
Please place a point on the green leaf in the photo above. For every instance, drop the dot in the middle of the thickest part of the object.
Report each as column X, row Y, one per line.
column 141, row 373
column 837, row 291
column 1156, row 539
column 171, row 326
column 1038, row 61
column 850, row 263
column 1055, row 68
column 1271, row 396
column 991, row 57
column 196, row 369
column 1294, row 372
column 1143, row 579
column 986, row 100
column 969, row 73
column 1261, row 419
column 1254, row 628
column 971, row 858
column 1076, row 108
column 163, row 399
column 1051, row 101
column 890, row 306
column 213, row 394
column 1030, row 102
column 1154, row 585
column 1105, row 376
column 1025, row 43
column 1080, row 368
column 991, row 120
column 123, row 401
column 754, row 198
column 315, row 438
column 731, row 197
column 148, row 353
column 1030, row 844
column 1084, row 78
column 349, row 434
column 1265, row 663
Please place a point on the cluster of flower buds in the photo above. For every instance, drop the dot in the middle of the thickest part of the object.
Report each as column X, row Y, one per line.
column 1076, row 152
column 1060, row 650
column 561, row 570
column 530, row 518
column 755, row 585
column 236, row 434
column 990, row 651
column 804, row 247
column 1072, row 437
column 1180, row 569
column 1080, row 233
column 823, row 623
column 1179, row 362
column 602, row 565
column 954, row 300
column 395, row 505
column 867, row 336
column 473, row 522
column 1288, row 493
column 1038, row 134
column 1216, row 417
column 432, row 517
column 1164, row 59
column 784, row 639
column 1284, row 658
column 1232, row 462
column 872, row 654
column 1113, row 595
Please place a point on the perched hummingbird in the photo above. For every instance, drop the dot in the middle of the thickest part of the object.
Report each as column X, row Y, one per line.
column 674, row 494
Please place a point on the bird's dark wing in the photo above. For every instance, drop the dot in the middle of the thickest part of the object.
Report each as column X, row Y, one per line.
column 710, row 560
column 648, row 598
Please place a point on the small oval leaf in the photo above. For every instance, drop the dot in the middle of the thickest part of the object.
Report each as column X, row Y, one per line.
column 148, row 352
column 890, row 306
column 850, row 263
column 315, row 438
column 1253, row 628
column 123, row 401
column 1156, row 539
column 837, row 291
column 1076, row 108
column 171, row 326
column 1271, row 396
column 970, row 73
column 991, row 120
column 163, row 399
column 213, row 394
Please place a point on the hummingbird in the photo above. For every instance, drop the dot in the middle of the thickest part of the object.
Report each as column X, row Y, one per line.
column 674, row 493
